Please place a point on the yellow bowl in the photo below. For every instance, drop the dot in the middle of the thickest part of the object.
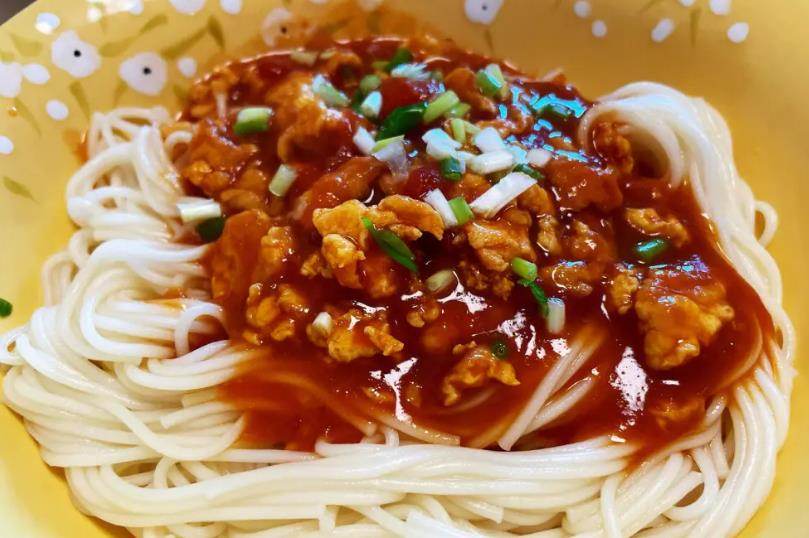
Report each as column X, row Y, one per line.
column 62, row 59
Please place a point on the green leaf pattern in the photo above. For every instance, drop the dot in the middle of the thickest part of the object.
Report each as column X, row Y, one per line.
column 17, row 189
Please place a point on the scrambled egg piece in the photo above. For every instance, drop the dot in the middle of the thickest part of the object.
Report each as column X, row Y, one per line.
column 613, row 146
column 622, row 287
column 649, row 222
column 475, row 369
column 497, row 242
column 680, row 308
column 357, row 334
column 264, row 313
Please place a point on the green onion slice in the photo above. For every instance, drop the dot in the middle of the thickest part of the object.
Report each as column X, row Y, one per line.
column 386, row 142
column 538, row 293
column 401, row 56
column 524, row 269
column 458, row 128
column 530, row 171
column 436, row 74
column 458, row 111
column 210, row 230
column 495, row 71
column 499, row 348
column 369, row 83
column 252, row 120
column 304, row 57
column 650, row 250
column 371, row 105
column 401, row 120
column 282, row 180
column 379, row 65
column 326, row 91
column 440, row 106
column 391, row 245
column 440, row 280
column 451, row 169
column 5, row 308
column 462, row 210
column 488, row 84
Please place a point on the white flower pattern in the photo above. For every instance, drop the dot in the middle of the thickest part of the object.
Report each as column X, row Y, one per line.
column 6, row 145
column 275, row 25
column 75, row 56
column 36, row 73
column 145, row 73
column 369, row 5
column 188, row 7
column 47, row 23
column 56, row 109
column 232, row 7
column 187, row 66
column 10, row 79
column 482, row 11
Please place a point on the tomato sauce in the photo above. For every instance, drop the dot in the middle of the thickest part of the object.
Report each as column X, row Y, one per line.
column 294, row 393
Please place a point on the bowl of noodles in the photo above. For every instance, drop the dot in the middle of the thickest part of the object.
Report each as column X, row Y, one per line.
column 338, row 268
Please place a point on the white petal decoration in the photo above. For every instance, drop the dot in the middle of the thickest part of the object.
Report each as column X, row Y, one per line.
column 47, row 23
column 738, row 32
column 145, row 73
column 369, row 5
column 75, row 56
column 232, row 7
column 188, row 7
column 275, row 24
column 135, row 7
column 482, row 11
column 6, row 145
column 10, row 79
column 36, row 73
column 56, row 109
column 720, row 7
column 187, row 66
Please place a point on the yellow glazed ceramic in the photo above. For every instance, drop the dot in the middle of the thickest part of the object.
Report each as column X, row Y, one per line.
column 62, row 59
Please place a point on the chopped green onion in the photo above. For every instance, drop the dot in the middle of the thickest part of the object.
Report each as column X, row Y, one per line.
column 371, row 105
column 197, row 209
column 413, row 71
column 401, row 56
column 489, row 140
column 539, row 157
column 364, row 141
column 379, row 65
column 5, row 308
column 385, row 142
column 402, row 120
column 529, row 171
column 435, row 74
column 391, row 245
column 369, row 83
column 488, row 163
column 328, row 54
column 283, row 179
column 252, row 120
column 650, row 250
column 488, row 84
column 304, row 57
column 210, row 230
column 440, row 280
column 458, row 128
column 326, row 91
column 323, row 323
column 523, row 268
column 440, row 105
column 538, row 293
column 471, row 128
column 458, row 111
column 451, row 169
column 495, row 71
column 499, row 349
column 462, row 210
column 558, row 111
column 555, row 322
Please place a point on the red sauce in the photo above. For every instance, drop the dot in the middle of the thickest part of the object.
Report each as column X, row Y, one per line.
column 628, row 397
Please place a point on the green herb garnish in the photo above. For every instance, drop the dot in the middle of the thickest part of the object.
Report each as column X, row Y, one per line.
column 538, row 293
column 391, row 245
column 451, row 169
column 650, row 250
column 210, row 230
column 499, row 349
column 530, row 171
column 401, row 120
